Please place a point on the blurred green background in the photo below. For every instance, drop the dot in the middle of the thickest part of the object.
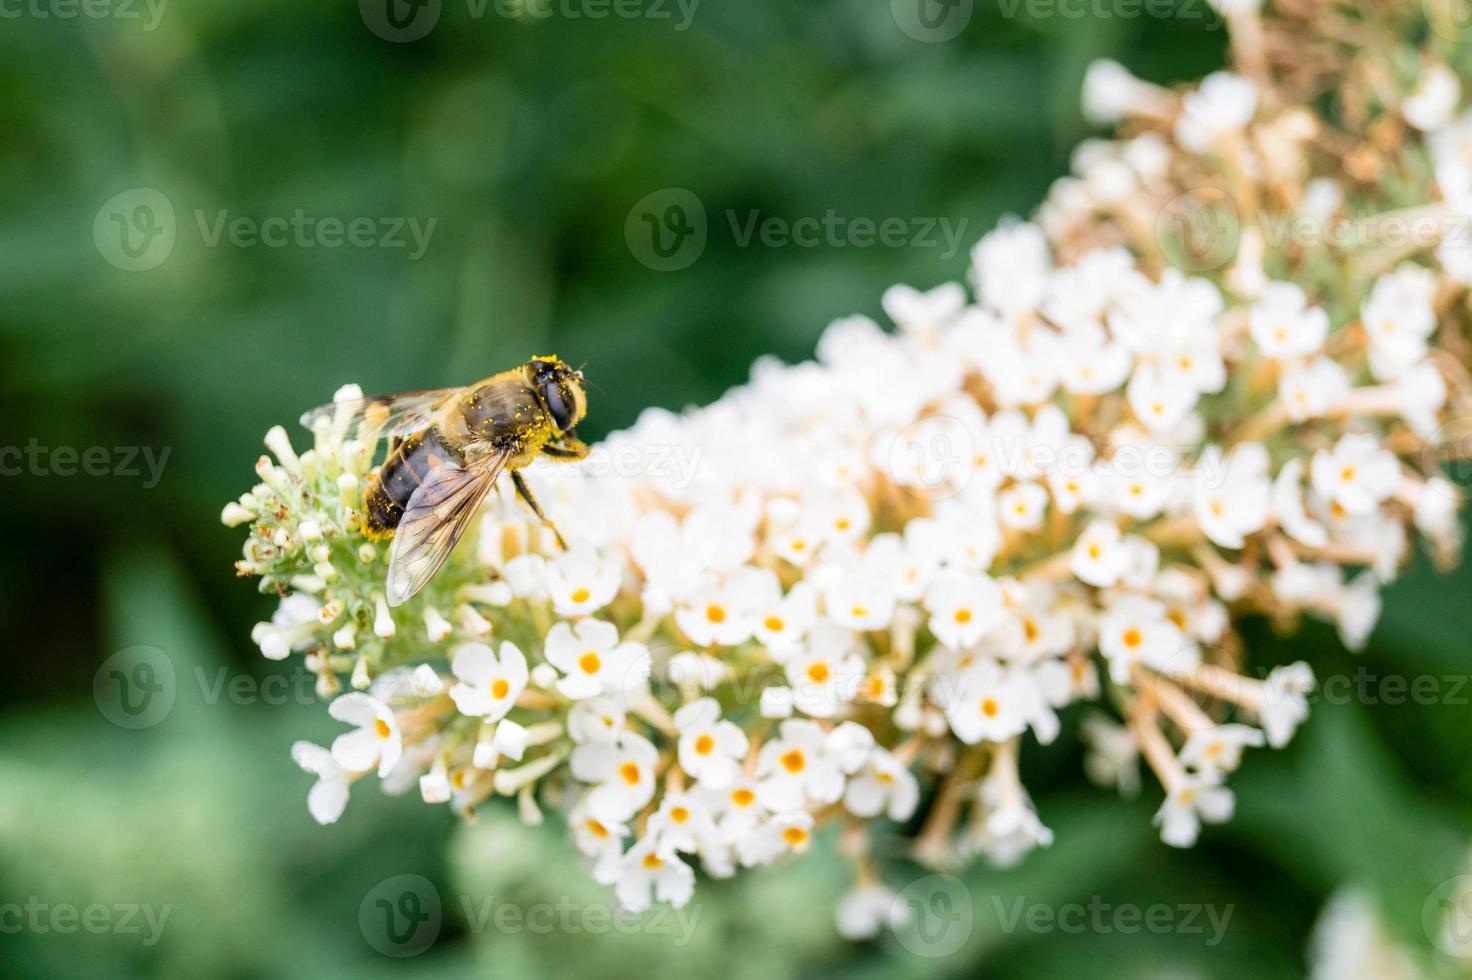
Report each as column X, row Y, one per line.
column 529, row 140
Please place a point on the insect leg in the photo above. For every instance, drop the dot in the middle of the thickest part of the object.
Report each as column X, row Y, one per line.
column 568, row 447
column 525, row 493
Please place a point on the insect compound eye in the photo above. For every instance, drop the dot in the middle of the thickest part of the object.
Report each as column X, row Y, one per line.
column 558, row 404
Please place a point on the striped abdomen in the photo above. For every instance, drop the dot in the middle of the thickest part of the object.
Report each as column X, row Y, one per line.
column 406, row 468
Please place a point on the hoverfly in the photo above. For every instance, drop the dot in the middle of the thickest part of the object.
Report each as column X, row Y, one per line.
column 449, row 445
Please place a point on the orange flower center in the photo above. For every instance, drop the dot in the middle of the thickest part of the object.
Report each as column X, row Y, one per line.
column 793, row 761
column 629, row 772
column 500, row 688
column 704, row 745
column 589, row 662
column 581, row 595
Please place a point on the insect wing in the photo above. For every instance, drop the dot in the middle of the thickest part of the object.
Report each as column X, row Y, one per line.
column 434, row 520
column 390, row 415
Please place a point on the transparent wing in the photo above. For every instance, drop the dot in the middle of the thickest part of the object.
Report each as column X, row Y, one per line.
column 392, row 415
column 437, row 515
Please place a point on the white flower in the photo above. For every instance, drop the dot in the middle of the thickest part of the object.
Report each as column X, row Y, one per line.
column 719, row 614
column 1110, row 93
column 375, row 742
column 1160, row 399
column 1230, row 493
column 795, row 768
column 1357, row 474
column 1288, row 509
column 1433, row 101
column 622, row 772
column 1358, row 610
column 1135, row 630
column 683, row 823
column 781, row 621
column 595, row 720
column 827, row 674
column 488, row 684
column 710, row 749
column 1223, row 103
column 917, row 312
column 1284, row 703
column 963, row 608
column 1399, row 316
column 1284, row 325
column 867, row 910
column 328, row 796
column 1113, row 756
column 784, row 833
column 1011, row 264
column 884, row 785
column 581, row 582
column 649, row 873
column 1098, row 557
column 1195, row 799
column 984, row 702
column 598, row 839
column 1021, row 506
column 504, row 738
column 592, row 660
column 1309, row 390
column 860, row 599
column 1219, row 749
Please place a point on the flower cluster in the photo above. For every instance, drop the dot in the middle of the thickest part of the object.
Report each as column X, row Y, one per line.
column 889, row 567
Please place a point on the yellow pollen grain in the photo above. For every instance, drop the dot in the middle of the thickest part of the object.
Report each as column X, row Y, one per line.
column 597, row 829
column 580, row 595
column 794, row 836
column 704, row 745
column 743, row 797
column 629, row 772
column 589, row 662
column 990, row 708
column 1132, row 637
column 774, row 623
column 381, row 727
column 500, row 687
column 679, row 814
column 793, row 761
column 652, row 861
column 716, row 614
column 818, row 672
column 962, row 615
